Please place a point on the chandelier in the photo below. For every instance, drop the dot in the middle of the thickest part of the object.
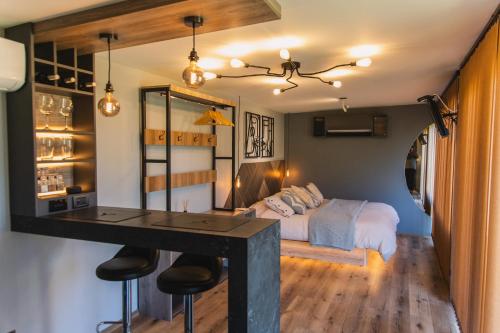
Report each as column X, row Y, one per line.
column 289, row 69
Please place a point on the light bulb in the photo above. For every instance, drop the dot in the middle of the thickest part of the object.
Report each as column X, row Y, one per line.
column 337, row 84
column 108, row 105
column 287, row 172
column 237, row 63
column 284, row 54
column 365, row 62
column 238, row 182
column 209, row 75
column 193, row 75
column 277, row 91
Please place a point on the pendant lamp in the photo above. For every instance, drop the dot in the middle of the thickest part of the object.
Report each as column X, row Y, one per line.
column 109, row 105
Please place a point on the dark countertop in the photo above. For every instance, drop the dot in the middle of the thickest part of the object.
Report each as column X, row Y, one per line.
column 142, row 230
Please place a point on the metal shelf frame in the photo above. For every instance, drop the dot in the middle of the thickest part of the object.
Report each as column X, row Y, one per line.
column 170, row 91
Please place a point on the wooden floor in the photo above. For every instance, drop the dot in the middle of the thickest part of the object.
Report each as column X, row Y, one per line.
column 407, row 294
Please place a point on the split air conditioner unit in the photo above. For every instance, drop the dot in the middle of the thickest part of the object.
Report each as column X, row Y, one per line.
column 12, row 65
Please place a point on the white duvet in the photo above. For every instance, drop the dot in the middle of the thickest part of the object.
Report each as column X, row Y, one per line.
column 375, row 227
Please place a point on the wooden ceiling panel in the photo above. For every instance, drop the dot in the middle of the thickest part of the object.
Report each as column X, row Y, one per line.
column 148, row 21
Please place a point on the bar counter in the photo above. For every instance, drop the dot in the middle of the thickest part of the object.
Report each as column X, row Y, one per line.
column 252, row 247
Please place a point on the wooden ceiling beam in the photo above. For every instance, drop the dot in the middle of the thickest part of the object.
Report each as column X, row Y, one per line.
column 147, row 21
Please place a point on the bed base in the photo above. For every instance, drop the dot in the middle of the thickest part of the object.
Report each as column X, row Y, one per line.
column 300, row 249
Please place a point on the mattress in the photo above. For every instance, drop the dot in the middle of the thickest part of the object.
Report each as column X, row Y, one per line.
column 375, row 227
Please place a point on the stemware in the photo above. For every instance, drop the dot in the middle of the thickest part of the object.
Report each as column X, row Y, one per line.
column 67, row 147
column 46, row 106
column 46, row 148
column 65, row 109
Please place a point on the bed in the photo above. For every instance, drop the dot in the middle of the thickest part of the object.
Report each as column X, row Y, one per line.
column 375, row 228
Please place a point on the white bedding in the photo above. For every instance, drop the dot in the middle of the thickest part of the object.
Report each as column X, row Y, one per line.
column 375, row 227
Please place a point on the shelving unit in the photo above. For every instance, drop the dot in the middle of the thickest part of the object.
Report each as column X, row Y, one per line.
column 62, row 73
column 159, row 137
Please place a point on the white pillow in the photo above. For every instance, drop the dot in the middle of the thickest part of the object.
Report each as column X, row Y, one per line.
column 260, row 207
column 304, row 196
column 279, row 206
column 315, row 191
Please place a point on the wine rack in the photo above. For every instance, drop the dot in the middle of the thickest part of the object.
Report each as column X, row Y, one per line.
column 51, row 150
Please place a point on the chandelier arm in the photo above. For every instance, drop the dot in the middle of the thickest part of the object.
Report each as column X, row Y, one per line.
column 288, row 79
column 328, row 69
column 219, row 76
column 268, row 70
column 314, row 77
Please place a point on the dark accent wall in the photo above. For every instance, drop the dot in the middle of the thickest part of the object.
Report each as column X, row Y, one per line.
column 369, row 168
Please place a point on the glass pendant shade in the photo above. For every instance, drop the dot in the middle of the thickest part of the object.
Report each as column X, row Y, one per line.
column 193, row 75
column 108, row 105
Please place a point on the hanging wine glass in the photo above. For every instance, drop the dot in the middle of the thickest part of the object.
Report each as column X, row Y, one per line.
column 46, row 106
column 65, row 109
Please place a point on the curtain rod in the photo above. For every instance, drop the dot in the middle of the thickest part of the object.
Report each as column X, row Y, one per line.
column 479, row 39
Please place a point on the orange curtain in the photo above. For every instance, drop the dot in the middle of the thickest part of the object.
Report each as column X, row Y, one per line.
column 475, row 212
column 443, row 185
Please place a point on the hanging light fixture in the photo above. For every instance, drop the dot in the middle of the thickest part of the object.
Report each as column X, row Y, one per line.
column 289, row 68
column 213, row 117
column 108, row 105
column 193, row 75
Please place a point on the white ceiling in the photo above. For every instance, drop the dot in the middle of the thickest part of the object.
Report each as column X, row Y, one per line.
column 421, row 44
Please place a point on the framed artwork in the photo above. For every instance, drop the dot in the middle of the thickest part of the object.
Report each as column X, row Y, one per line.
column 252, row 135
column 267, row 137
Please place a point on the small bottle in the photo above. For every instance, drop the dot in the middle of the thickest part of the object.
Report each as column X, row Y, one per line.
column 60, row 183
column 52, row 183
column 44, row 185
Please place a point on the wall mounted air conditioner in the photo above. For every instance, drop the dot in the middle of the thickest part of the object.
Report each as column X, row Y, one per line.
column 12, row 65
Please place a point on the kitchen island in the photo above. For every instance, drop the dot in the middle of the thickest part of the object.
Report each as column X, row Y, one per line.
column 252, row 247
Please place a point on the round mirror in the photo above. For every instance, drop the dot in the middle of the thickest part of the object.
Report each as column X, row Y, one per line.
column 419, row 169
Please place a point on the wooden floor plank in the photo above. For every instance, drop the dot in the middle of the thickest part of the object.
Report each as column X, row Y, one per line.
column 406, row 294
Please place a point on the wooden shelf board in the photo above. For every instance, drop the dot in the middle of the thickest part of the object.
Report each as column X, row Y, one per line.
column 74, row 160
column 80, row 70
column 178, row 138
column 158, row 183
column 50, row 131
column 55, row 89
column 80, row 29
column 43, row 61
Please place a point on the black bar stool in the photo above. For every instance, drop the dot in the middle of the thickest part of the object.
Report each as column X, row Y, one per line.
column 128, row 264
column 190, row 274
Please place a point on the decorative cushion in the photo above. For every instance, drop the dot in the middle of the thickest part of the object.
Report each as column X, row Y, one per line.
column 293, row 200
column 260, row 207
column 275, row 203
column 311, row 187
column 304, row 195
column 317, row 203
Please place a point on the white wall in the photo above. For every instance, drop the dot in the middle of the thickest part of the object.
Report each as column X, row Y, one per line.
column 48, row 285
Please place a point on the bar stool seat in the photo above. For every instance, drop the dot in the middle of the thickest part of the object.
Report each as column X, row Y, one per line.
column 190, row 274
column 128, row 264
column 125, row 268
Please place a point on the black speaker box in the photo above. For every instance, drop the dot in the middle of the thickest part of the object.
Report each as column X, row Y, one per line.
column 319, row 128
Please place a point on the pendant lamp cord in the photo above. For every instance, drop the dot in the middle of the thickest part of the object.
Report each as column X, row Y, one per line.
column 194, row 39
column 109, row 60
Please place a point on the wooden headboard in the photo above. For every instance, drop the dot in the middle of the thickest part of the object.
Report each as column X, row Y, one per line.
column 258, row 180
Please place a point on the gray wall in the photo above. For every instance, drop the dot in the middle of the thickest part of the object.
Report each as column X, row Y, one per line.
column 361, row 167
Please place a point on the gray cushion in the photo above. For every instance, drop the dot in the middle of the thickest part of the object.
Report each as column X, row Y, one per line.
column 292, row 200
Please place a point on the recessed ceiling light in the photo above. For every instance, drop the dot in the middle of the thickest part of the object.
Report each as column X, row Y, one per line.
column 362, row 51
column 211, row 63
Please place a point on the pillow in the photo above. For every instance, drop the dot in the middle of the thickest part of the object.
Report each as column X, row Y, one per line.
column 315, row 191
column 304, row 196
column 317, row 203
column 260, row 207
column 292, row 200
column 279, row 206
